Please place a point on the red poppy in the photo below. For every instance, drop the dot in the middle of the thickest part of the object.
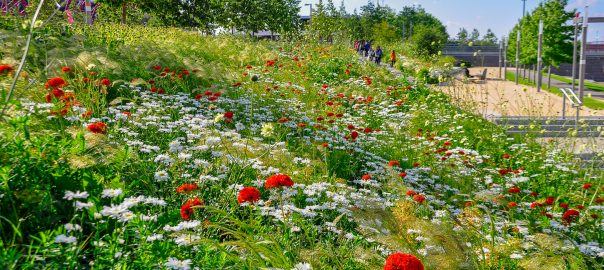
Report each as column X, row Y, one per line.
column 535, row 204
column 105, row 82
column 184, row 188
column 278, row 180
column 248, row 66
column 66, row 69
column 350, row 126
column 512, row 204
column 411, row 193
column 98, row 127
column 228, row 115
column 599, row 200
column 394, row 163
column 187, row 209
column 514, row 190
column 354, row 135
column 198, row 96
column 301, row 125
column 564, row 205
column 550, row 200
column 366, row 177
column 57, row 93
column 401, row 261
column 402, row 174
column 248, row 194
column 161, row 91
column 56, row 83
column 587, row 186
column 5, row 69
column 419, row 198
column 506, row 156
column 237, row 84
column 158, row 67
column 570, row 215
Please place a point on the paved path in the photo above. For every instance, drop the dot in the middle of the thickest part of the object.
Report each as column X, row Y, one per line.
column 560, row 84
column 504, row 98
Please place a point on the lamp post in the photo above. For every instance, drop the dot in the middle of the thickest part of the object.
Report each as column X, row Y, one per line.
column 517, row 55
column 523, row 8
column 539, row 52
column 576, row 20
column 582, row 62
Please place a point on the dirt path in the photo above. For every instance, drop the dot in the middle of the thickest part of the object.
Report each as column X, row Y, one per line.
column 504, row 98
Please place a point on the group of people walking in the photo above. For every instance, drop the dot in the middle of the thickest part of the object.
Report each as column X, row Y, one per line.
column 364, row 49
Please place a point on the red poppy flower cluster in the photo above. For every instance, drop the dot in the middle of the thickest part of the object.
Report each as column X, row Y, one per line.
column 248, row 194
column 55, row 83
column 98, row 127
column 184, row 188
column 278, row 180
column 105, row 82
column 570, row 215
column 187, row 209
column 402, row 261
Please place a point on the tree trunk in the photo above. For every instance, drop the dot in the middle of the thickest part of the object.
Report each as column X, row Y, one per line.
column 124, row 12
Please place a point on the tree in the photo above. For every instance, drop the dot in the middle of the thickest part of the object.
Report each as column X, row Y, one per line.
column 462, row 36
column 474, row 36
column 427, row 41
column 489, row 38
column 410, row 18
column 557, row 38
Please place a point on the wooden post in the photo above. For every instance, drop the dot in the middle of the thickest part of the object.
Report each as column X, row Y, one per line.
column 549, row 76
column 124, row 12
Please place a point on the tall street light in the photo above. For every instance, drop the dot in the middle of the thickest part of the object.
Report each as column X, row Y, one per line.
column 523, row 8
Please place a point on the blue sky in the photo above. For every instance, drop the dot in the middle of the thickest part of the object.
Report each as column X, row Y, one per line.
column 498, row 15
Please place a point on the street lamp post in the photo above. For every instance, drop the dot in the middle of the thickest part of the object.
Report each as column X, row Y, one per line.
column 539, row 52
column 517, row 55
column 582, row 62
column 574, row 72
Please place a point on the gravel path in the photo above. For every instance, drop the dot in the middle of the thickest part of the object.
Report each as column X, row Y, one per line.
column 503, row 98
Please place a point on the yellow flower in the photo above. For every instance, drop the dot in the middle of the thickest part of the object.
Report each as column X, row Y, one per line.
column 267, row 130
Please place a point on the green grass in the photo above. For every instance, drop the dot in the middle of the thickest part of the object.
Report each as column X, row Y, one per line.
column 592, row 86
column 589, row 102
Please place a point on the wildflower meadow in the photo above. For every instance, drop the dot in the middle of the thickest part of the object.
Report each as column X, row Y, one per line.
column 144, row 147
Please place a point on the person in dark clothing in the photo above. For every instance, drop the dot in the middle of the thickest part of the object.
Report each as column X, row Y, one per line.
column 367, row 48
column 378, row 55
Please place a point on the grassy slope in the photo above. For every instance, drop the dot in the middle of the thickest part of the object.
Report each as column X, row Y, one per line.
column 123, row 53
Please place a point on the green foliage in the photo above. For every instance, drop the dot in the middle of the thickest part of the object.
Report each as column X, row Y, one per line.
column 427, row 41
column 557, row 37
